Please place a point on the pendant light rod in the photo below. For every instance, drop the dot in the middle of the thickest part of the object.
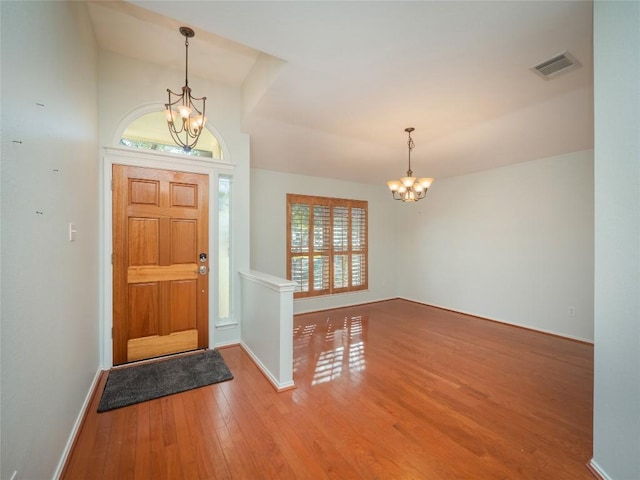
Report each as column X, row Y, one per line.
column 411, row 146
column 187, row 33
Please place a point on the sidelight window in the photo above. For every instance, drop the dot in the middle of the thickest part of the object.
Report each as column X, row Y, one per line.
column 224, row 246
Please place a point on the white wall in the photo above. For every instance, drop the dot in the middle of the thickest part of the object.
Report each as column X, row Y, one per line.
column 616, row 425
column 513, row 244
column 269, row 224
column 126, row 85
column 49, row 285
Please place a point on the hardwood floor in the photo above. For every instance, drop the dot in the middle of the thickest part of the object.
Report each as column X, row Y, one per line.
column 391, row 390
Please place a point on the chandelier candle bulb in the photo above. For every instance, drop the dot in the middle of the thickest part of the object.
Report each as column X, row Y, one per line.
column 394, row 185
column 408, row 181
column 170, row 114
column 199, row 122
column 425, row 182
column 409, row 189
column 184, row 110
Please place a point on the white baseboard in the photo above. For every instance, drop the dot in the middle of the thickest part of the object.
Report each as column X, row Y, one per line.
column 597, row 470
column 279, row 386
column 76, row 426
column 301, row 301
column 527, row 327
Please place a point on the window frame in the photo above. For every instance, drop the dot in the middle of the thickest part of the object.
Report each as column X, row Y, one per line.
column 227, row 281
column 311, row 201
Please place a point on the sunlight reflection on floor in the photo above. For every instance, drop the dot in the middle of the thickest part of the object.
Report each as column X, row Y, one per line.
column 340, row 350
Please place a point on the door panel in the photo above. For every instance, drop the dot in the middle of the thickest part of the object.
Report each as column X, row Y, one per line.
column 184, row 195
column 144, row 319
column 183, row 313
column 144, row 192
column 144, row 244
column 183, row 241
column 160, row 228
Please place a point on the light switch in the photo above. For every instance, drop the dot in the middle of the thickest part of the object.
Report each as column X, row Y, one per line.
column 72, row 232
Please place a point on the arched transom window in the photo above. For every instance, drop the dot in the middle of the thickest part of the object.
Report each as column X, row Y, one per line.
column 150, row 132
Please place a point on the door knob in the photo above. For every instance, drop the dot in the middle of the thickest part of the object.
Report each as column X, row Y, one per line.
column 202, row 269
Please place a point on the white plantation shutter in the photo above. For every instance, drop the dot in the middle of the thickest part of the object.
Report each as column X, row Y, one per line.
column 327, row 248
column 340, row 248
column 299, row 241
column 358, row 246
column 321, row 247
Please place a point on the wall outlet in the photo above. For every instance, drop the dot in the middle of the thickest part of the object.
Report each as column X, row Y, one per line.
column 571, row 312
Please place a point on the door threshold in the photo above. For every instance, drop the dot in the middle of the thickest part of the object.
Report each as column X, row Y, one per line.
column 158, row 359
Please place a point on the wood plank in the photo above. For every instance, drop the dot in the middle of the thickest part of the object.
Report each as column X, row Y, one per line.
column 158, row 462
column 162, row 273
column 155, row 346
column 386, row 390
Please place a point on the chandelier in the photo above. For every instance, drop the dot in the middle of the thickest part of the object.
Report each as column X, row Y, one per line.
column 184, row 118
column 409, row 188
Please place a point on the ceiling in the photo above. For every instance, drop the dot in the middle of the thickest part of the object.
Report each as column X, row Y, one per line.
column 330, row 85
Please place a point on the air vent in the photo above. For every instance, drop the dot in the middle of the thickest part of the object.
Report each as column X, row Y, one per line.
column 565, row 62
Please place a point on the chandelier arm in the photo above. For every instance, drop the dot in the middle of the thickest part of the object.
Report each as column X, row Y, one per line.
column 176, row 130
column 192, row 133
column 177, row 139
column 179, row 96
column 197, row 98
column 191, row 104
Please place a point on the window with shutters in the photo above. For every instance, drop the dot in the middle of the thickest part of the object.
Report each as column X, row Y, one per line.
column 327, row 248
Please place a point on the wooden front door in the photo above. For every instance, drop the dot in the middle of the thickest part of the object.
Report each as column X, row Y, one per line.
column 160, row 262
